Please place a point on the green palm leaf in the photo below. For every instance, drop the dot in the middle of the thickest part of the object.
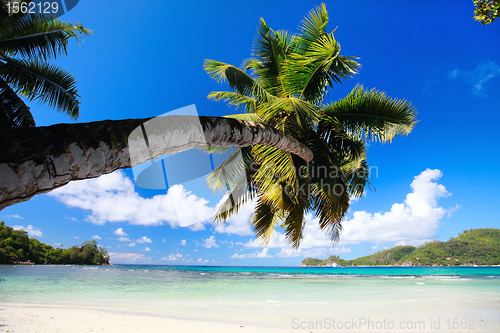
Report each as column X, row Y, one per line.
column 370, row 114
column 37, row 36
column 13, row 112
column 235, row 99
column 238, row 80
column 307, row 75
column 43, row 82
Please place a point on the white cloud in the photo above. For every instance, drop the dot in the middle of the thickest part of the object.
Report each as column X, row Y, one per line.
column 15, row 217
column 414, row 221
column 164, row 240
column 131, row 244
column 201, row 260
column 453, row 210
column 173, row 257
column 120, row 232
column 123, row 239
column 143, row 240
column 147, row 249
column 209, row 242
column 70, row 218
column 76, row 237
column 256, row 254
column 183, row 242
column 128, row 258
column 112, row 198
column 484, row 72
column 96, row 237
column 32, row 232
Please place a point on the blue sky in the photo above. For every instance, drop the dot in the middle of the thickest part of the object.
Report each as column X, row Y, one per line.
column 143, row 61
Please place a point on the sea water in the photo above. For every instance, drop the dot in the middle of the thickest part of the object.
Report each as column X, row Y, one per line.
column 278, row 296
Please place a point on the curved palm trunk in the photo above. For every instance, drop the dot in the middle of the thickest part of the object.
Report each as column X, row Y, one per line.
column 39, row 160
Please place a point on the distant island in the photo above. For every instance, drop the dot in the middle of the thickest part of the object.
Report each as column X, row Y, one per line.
column 19, row 249
column 472, row 247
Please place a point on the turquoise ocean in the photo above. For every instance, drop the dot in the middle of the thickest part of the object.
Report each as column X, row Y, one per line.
column 270, row 296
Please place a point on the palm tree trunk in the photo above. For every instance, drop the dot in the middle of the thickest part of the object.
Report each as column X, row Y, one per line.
column 41, row 159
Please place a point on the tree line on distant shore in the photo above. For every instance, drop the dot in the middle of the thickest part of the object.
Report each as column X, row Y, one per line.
column 478, row 246
column 17, row 247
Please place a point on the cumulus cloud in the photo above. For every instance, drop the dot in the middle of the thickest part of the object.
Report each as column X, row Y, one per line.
column 147, row 249
column 183, row 242
column 120, row 232
column 112, row 198
column 76, row 237
column 96, row 237
column 173, row 257
column 32, row 232
column 256, row 254
column 143, row 240
column 123, row 239
column 413, row 221
column 209, row 242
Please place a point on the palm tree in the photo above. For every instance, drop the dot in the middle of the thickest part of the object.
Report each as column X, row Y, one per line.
column 27, row 42
column 284, row 86
column 40, row 159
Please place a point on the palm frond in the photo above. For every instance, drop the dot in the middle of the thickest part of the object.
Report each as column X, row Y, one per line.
column 271, row 48
column 235, row 99
column 227, row 173
column 275, row 165
column 371, row 115
column 330, row 202
column 37, row 36
column 313, row 27
column 14, row 113
column 253, row 117
column 293, row 225
column 238, row 80
column 308, row 75
column 43, row 82
column 264, row 221
column 290, row 115
column 234, row 199
column 356, row 176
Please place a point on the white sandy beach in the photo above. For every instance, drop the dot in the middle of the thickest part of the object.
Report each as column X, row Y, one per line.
column 67, row 319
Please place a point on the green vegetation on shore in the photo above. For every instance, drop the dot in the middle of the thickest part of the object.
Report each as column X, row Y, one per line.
column 478, row 246
column 17, row 247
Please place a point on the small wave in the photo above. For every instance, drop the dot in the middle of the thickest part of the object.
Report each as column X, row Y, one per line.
column 420, row 283
column 397, row 277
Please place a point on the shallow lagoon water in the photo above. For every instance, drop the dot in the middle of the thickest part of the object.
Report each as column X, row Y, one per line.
column 270, row 295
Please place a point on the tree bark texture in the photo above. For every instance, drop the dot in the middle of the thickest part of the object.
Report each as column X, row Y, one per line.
column 41, row 159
